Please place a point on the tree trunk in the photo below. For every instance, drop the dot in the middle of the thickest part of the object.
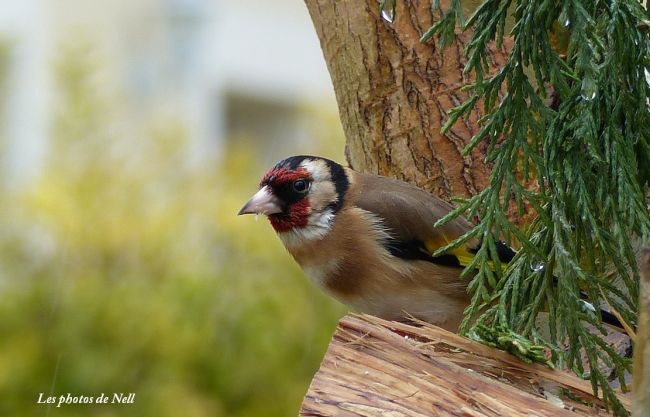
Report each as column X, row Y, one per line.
column 641, row 386
column 394, row 92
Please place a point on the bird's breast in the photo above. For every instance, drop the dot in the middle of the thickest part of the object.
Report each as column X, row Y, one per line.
column 348, row 258
column 352, row 264
column 322, row 272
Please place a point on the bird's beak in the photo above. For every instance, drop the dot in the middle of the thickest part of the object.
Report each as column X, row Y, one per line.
column 263, row 202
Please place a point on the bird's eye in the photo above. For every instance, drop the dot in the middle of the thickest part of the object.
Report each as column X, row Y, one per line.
column 300, row 186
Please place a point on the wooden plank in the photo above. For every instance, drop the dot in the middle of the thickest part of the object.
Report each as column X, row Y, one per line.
column 374, row 367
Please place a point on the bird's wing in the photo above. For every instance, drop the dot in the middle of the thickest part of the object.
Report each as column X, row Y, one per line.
column 409, row 213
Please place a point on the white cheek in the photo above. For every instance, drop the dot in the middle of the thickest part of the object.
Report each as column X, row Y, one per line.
column 322, row 221
column 318, row 225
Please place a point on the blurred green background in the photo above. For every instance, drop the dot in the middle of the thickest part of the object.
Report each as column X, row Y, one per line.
column 123, row 265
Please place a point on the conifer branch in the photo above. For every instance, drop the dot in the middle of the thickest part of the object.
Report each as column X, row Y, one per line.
column 589, row 153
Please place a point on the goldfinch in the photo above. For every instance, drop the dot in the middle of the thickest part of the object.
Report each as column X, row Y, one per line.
column 368, row 240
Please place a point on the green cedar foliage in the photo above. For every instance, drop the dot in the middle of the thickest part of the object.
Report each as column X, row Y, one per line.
column 569, row 110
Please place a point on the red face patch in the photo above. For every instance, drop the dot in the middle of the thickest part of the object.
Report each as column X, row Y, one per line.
column 296, row 214
column 277, row 177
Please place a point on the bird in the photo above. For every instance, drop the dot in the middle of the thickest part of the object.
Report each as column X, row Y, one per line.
column 369, row 241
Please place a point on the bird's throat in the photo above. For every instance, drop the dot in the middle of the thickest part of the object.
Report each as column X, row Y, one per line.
column 296, row 217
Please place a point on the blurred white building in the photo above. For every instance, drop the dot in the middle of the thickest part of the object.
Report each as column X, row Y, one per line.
column 226, row 68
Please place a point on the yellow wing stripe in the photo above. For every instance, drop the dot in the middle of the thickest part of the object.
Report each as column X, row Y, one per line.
column 464, row 256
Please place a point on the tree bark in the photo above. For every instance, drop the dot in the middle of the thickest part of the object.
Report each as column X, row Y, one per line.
column 641, row 385
column 376, row 367
column 394, row 92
